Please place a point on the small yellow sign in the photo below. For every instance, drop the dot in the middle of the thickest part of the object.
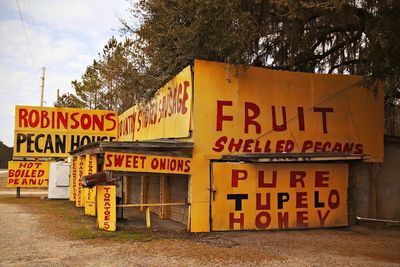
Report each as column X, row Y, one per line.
column 28, row 174
column 90, row 193
column 72, row 179
column 106, row 207
column 146, row 163
column 80, row 169
column 90, row 201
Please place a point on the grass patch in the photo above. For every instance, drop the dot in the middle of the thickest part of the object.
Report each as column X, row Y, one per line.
column 62, row 218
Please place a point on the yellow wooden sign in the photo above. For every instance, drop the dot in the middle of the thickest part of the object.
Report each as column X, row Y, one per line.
column 267, row 111
column 279, row 196
column 106, row 208
column 90, row 193
column 146, row 163
column 90, row 201
column 80, row 171
column 54, row 132
column 28, row 174
column 126, row 125
column 167, row 115
column 72, row 179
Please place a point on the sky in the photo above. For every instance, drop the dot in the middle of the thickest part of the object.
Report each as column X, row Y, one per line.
column 64, row 36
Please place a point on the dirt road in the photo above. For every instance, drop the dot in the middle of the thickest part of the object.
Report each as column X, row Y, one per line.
column 25, row 242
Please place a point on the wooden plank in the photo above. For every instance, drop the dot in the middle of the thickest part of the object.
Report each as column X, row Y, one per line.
column 178, row 192
column 163, row 196
column 144, row 188
column 148, row 222
column 151, row 205
column 135, row 196
column 125, row 190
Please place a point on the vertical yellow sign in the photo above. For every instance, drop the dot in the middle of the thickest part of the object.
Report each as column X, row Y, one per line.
column 90, row 193
column 72, row 180
column 90, row 202
column 80, row 169
column 106, row 207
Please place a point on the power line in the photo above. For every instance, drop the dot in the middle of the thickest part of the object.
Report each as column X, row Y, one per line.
column 26, row 34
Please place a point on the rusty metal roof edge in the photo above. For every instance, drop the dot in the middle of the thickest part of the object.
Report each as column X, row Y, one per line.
column 282, row 157
column 161, row 143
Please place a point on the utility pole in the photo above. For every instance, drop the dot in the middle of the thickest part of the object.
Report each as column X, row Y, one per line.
column 42, row 86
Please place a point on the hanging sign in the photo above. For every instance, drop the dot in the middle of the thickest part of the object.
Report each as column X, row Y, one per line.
column 146, row 163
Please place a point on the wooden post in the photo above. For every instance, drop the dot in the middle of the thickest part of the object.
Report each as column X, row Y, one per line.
column 148, row 222
column 125, row 189
column 373, row 204
column 163, row 196
column 144, row 186
column 18, row 192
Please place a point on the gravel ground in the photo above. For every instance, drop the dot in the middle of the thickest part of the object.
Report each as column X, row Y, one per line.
column 23, row 242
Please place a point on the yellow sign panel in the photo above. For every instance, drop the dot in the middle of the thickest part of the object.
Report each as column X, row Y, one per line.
column 84, row 193
column 266, row 111
column 53, row 132
column 90, row 201
column 106, row 208
column 80, row 171
column 72, row 179
column 146, row 163
column 90, row 193
column 279, row 196
column 126, row 125
column 168, row 115
column 28, row 174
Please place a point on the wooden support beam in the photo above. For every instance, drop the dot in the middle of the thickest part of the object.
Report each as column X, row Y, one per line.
column 144, row 189
column 125, row 190
column 163, row 197
column 152, row 205
column 148, row 222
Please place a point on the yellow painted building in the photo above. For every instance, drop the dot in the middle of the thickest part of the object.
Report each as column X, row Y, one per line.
column 223, row 147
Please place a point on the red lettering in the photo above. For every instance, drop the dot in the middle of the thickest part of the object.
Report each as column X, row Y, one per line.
column 302, row 217
column 297, row 176
column 233, row 221
column 220, row 116
column 250, row 119
column 275, row 126
column 238, row 175
column 263, row 184
column 260, row 205
column 301, row 200
column 235, row 146
column 23, row 118
column 307, row 145
column 45, row 120
column 283, row 220
column 260, row 224
column 322, row 219
column 186, row 84
column 334, row 194
column 300, row 115
column 323, row 114
column 321, row 178
column 220, row 143
column 108, row 160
